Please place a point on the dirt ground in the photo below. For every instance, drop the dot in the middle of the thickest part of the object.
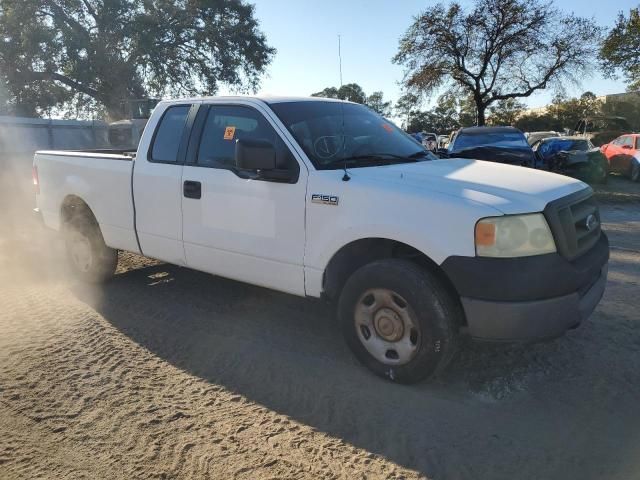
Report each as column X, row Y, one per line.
column 169, row 373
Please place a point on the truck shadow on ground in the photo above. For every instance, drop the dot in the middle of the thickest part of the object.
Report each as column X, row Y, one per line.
column 287, row 354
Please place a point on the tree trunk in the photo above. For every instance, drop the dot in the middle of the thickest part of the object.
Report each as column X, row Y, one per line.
column 480, row 118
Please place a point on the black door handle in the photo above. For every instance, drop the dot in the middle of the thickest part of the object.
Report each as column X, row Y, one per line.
column 192, row 189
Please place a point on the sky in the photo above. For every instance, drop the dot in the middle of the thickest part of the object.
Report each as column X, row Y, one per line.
column 305, row 34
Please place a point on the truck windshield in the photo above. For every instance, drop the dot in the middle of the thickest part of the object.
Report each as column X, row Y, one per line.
column 485, row 139
column 331, row 131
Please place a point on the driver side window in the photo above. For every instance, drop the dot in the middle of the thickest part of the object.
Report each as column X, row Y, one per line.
column 225, row 125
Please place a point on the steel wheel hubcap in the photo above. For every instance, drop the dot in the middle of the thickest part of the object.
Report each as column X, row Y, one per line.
column 387, row 327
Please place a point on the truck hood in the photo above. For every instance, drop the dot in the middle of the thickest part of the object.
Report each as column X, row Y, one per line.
column 507, row 188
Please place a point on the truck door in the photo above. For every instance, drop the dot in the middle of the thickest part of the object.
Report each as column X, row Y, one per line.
column 157, row 185
column 235, row 225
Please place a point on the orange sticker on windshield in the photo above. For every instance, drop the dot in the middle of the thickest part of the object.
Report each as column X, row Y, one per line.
column 229, row 133
column 387, row 127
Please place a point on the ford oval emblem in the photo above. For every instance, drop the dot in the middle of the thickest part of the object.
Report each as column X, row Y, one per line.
column 591, row 222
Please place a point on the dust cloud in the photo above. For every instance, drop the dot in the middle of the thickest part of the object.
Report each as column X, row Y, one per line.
column 28, row 251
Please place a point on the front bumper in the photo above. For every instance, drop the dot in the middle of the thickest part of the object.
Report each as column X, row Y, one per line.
column 532, row 298
column 532, row 320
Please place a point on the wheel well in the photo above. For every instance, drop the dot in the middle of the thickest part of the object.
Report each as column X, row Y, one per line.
column 74, row 207
column 361, row 252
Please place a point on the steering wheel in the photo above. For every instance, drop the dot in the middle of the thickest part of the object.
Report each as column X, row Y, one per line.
column 328, row 146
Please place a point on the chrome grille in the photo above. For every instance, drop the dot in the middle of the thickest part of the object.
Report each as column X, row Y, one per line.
column 575, row 223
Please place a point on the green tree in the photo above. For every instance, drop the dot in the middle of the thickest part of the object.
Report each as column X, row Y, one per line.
column 621, row 49
column 353, row 92
column 329, row 92
column 506, row 112
column 376, row 102
column 447, row 115
column 468, row 112
column 629, row 109
column 404, row 107
column 562, row 114
column 536, row 122
column 497, row 50
column 57, row 52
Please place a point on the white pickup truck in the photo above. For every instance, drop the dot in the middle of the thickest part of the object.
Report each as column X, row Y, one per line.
column 325, row 198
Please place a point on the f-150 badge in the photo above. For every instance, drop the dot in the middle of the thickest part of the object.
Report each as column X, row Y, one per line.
column 324, row 199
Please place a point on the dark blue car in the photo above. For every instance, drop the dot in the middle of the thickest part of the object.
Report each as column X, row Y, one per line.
column 573, row 156
column 496, row 144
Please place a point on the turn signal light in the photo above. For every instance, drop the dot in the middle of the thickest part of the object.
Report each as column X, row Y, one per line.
column 485, row 234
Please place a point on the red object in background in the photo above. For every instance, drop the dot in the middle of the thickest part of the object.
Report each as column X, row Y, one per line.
column 622, row 153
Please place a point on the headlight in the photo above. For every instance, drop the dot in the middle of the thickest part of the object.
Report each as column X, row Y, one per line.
column 514, row 236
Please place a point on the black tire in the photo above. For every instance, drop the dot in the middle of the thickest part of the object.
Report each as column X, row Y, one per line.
column 598, row 173
column 102, row 261
column 432, row 308
column 635, row 172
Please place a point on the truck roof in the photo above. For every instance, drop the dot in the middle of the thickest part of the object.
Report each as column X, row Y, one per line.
column 270, row 99
column 483, row 130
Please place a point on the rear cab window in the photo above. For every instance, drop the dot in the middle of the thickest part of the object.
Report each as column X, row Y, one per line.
column 168, row 135
column 504, row 139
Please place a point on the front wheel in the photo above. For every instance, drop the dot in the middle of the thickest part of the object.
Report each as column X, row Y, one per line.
column 635, row 172
column 399, row 320
column 89, row 258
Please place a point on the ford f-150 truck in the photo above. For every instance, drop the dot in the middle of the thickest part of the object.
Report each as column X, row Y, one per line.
column 325, row 198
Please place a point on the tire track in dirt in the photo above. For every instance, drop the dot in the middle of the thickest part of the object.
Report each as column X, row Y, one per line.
column 93, row 404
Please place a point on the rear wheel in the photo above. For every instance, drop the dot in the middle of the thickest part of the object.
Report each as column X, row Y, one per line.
column 399, row 320
column 599, row 172
column 89, row 258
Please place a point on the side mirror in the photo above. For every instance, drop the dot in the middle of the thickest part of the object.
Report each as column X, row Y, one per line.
column 626, row 147
column 255, row 155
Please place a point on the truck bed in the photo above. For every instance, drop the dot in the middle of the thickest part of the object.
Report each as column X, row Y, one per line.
column 101, row 178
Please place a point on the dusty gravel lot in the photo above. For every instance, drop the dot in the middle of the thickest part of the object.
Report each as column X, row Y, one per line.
column 169, row 373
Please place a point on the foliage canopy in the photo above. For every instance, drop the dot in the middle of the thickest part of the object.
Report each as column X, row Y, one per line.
column 58, row 53
column 621, row 49
column 353, row 92
column 496, row 50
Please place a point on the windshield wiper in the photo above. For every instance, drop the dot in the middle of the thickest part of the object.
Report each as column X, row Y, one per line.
column 371, row 158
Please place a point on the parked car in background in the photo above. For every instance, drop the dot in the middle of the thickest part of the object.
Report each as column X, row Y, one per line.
column 496, row 144
column 533, row 137
column 573, row 156
column 430, row 141
column 623, row 155
column 443, row 141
